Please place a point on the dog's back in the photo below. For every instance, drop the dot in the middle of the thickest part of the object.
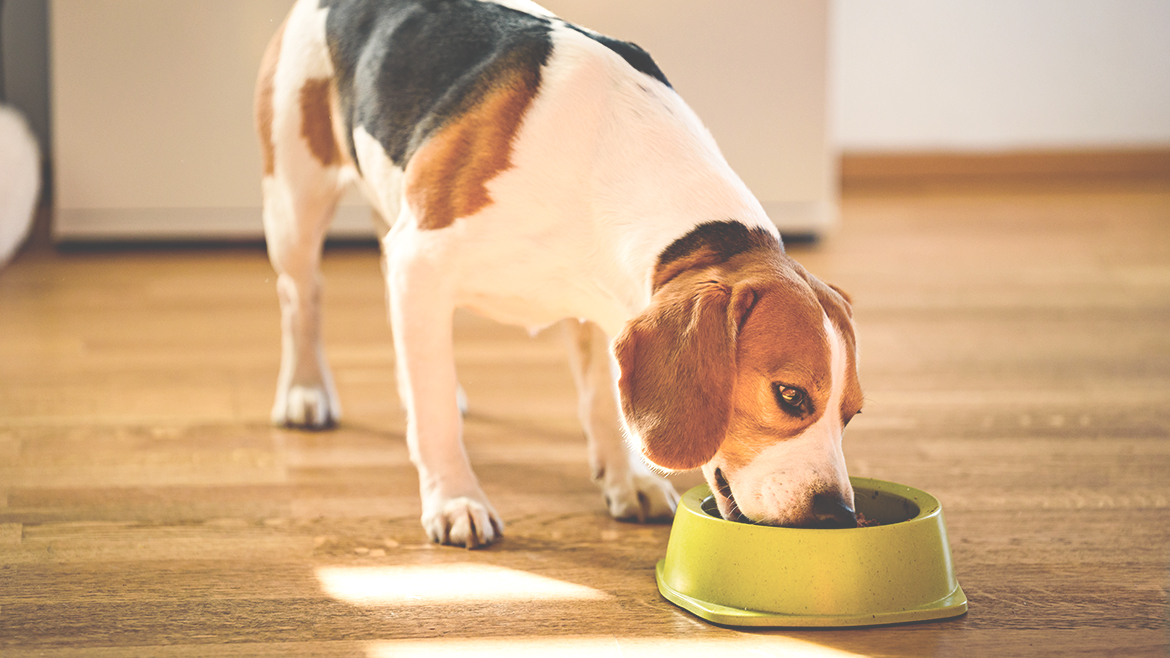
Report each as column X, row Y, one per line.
column 406, row 68
column 512, row 116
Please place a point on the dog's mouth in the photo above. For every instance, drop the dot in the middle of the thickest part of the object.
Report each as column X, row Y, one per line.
column 829, row 511
column 723, row 490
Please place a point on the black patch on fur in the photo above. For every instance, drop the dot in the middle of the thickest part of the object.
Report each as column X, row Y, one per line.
column 631, row 52
column 405, row 68
column 725, row 239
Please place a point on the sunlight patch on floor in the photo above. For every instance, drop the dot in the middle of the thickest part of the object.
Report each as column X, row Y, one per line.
column 446, row 583
column 728, row 643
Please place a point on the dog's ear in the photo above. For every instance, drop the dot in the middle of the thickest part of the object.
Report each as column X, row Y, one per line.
column 836, row 302
column 678, row 371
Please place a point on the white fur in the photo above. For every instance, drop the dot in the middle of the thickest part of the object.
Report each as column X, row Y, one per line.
column 20, row 181
column 381, row 182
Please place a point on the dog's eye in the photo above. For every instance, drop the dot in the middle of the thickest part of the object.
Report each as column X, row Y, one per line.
column 791, row 399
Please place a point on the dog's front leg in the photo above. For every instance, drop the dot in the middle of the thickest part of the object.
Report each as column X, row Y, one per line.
column 631, row 491
column 455, row 509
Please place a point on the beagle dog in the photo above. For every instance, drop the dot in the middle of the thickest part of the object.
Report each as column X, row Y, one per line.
column 538, row 172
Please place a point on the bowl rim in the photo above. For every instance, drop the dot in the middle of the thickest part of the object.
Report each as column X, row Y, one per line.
column 929, row 507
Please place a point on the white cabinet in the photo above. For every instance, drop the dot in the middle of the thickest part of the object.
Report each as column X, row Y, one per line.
column 152, row 106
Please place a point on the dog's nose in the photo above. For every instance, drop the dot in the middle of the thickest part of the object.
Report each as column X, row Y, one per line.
column 831, row 511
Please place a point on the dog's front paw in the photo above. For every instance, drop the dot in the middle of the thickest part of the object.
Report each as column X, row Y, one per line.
column 309, row 407
column 641, row 497
column 462, row 521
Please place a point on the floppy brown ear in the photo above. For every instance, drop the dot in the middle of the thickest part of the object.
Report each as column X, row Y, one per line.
column 677, row 364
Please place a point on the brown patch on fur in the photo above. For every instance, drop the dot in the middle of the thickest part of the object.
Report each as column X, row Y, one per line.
column 317, row 121
column 263, row 100
column 782, row 341
column 665, row 271
column 447, row 178
column 339, row 126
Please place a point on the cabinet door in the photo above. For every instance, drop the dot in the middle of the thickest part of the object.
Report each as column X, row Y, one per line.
column 152, row 119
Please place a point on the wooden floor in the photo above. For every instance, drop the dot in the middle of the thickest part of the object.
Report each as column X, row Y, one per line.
column 1016, row 360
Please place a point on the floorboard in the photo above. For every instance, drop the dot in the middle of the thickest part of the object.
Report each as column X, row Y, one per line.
column 1015, row 354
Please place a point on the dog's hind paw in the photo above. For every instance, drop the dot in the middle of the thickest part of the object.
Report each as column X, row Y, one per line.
column 306, row 407
column 464, row 522
column 644, row 498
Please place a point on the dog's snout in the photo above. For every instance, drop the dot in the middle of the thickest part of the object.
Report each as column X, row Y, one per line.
column 830, row 510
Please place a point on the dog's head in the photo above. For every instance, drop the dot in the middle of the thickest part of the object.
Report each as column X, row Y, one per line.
column 744, row 364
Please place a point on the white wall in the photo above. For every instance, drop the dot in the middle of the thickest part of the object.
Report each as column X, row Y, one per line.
column 915, row 75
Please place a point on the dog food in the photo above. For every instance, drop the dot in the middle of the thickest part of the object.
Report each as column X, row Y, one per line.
column 863, row 522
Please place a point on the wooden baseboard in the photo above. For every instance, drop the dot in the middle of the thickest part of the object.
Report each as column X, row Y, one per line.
column 868, row 170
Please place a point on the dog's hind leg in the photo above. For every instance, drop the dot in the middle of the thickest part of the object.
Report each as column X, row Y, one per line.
column 632, row 492
column 301, row 187
column 294, row 227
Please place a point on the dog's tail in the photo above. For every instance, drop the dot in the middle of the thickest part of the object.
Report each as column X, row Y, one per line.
column 20, row 181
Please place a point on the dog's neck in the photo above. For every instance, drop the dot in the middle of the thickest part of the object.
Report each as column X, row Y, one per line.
column 658, row 177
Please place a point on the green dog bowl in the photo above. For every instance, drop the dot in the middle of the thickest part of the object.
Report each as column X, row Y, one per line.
column 738, row 574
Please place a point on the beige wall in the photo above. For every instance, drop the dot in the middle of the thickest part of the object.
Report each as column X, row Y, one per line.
column 152, row 104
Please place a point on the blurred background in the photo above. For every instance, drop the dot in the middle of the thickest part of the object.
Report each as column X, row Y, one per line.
column 143, row 108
